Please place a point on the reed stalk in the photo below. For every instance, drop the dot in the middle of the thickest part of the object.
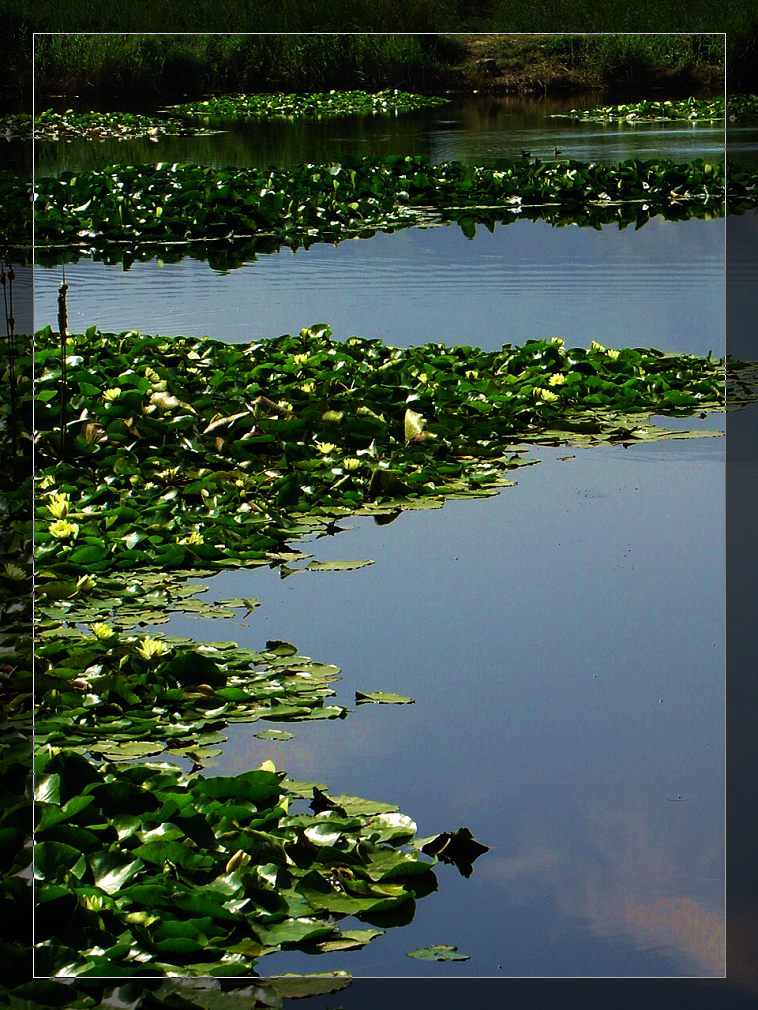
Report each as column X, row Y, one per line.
column 7, row 276
column 63, row 331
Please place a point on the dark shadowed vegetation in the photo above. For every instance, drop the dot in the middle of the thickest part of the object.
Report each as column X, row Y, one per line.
column 424, row 54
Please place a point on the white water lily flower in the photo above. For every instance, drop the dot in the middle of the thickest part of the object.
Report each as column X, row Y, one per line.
column 63, row 530
column 59, row 505
column 152, row 647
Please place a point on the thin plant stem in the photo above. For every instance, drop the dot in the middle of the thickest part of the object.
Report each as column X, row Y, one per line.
column 62, row 329
column 6, row 279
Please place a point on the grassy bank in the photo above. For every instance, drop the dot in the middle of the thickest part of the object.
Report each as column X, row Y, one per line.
column 621, row 63
column 144, row 66
column 141, row 66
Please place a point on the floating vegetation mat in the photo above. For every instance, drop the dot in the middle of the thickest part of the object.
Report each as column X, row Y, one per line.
column 126, row 697
column 185, row 453
column 313, row 106
column 691, row 110
column 70, row 125
column 141, row 870
column 228, row 216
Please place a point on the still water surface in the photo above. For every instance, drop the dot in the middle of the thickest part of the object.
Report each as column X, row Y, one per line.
column 475, row 128
column 662, row 286
column 563, row 641
column 563, row 644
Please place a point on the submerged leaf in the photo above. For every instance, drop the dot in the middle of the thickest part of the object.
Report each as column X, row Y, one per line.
column 382, row 698
column 336, row 566
column 438, row 952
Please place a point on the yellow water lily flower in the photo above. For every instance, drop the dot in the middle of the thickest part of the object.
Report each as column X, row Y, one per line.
column 350, row 463
column 595, row 346
column 300, row 359
column 112, row 394
column 547, row 395
column 63, row 530
column 612, row 353
column 193, row 538
column 150, row 648
column 12, row 571
column 556, row 380
column 325, row 447
column 103, row 632
column 59, row 505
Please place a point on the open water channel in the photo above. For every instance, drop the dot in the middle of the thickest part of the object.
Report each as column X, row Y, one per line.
column 563, row 641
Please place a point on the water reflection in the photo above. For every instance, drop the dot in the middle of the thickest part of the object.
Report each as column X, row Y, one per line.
column 472, row 128
column 661, row 286
column 563, row 645
column 617, row 891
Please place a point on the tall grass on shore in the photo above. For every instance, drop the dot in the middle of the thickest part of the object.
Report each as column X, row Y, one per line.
column 195, row 64
column 415, row 55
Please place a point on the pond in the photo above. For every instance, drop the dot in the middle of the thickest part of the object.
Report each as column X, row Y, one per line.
column 563, row 641
column 476, row 129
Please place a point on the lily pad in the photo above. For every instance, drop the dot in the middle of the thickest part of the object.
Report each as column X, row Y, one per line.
column 275, row 734
column 382, row 698
column 438, row 952
column 336, row 566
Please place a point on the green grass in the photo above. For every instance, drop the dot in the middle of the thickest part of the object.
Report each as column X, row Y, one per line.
column 193, row 63
column 178, row 65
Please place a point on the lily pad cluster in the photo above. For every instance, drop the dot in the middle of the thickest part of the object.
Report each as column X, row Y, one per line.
column 187, row 453
column 128, row 211
column 130, row 696
column 316, row 105
column 141, row 870
column 692, row 110
column 70, row 125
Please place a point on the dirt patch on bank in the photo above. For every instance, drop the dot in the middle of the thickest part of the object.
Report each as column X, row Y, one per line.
column 562, row 64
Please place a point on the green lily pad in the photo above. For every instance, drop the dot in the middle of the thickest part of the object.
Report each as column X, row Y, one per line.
column 382, row 698
column 438, row 952
column 275, row 734
column 336, row 566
